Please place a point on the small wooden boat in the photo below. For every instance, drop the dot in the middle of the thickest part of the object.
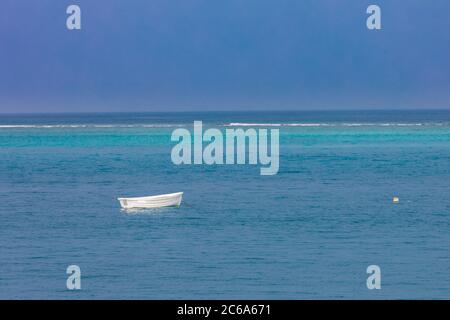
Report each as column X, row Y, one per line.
column 164, row 200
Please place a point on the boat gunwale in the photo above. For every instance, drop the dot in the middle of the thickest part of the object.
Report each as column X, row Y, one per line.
column 169, row 195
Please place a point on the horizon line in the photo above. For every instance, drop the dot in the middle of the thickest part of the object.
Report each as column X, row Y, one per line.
column 221, row 111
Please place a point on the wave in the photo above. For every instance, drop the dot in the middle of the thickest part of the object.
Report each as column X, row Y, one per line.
column 50, row 126
column 232, row 124
column 243, row 124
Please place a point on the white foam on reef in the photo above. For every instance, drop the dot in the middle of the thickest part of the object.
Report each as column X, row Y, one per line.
column 51, row 126
column 243, row 124
column 232, row 124
column 240, row 124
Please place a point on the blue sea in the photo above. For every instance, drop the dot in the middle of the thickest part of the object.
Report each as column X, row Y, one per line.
column 308, row 232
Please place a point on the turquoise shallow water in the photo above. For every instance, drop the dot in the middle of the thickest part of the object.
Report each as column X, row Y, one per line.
column 308, row 232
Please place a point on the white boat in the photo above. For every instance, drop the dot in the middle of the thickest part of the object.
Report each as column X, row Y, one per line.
column 164, row 200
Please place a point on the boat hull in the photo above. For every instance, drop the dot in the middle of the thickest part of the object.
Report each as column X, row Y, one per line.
column 165, row 200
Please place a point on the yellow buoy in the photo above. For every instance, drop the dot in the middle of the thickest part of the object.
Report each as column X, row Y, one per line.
column 395, row 200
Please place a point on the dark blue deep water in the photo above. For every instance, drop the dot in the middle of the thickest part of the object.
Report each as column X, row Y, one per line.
column 308, row 232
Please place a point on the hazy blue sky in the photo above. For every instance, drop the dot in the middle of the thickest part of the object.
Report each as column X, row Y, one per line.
column 223, row 54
